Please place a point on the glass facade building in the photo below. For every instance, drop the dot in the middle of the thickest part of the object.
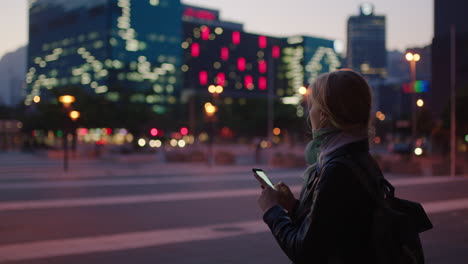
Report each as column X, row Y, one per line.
column 366, row 51
column 107, row 47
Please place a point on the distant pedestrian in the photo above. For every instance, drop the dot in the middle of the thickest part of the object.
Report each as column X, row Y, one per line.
column 332, row 221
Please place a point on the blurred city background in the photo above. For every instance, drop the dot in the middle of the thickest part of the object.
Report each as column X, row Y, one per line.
column 128, row 128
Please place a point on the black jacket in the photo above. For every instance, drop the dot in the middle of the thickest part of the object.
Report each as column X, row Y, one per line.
column 332, row 219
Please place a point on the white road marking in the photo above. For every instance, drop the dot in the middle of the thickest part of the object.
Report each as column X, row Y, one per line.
column 154, row 238
column 445, row 205
column 164, row 197
column 127, row 182
column 199, row 179
column 131, row 199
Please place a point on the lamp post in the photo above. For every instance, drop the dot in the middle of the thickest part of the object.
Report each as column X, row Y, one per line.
column 412, row 59
column 211, row 109
column 66, row 101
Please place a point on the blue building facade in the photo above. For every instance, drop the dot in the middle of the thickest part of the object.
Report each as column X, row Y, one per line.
column 107, row 47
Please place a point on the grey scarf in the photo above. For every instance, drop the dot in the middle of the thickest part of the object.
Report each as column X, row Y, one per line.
column 327, row 140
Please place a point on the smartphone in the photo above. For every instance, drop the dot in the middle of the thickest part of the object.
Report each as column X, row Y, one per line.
column 262, row 175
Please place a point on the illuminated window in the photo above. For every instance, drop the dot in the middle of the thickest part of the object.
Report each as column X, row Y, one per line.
column 203, row 76
column 195, row 50
column 224, row 53
column 157, row 88
column 218, row 30
column 276, row 52
column 236, row 38
column 248, row 82
column 221, row 79
column 101, row 89
column 205, row 33
column 262, row 83
column 241, row 64
column 262, row 66
column 262, row 42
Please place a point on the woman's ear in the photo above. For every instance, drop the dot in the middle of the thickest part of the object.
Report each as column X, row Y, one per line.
column 323, row 117
column 324, row 121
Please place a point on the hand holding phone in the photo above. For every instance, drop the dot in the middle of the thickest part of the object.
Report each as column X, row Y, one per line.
column 262, row 178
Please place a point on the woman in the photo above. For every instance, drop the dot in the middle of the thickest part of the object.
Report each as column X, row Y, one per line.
column 330, row 222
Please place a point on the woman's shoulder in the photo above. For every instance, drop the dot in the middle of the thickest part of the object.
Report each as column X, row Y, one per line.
column 342, row 174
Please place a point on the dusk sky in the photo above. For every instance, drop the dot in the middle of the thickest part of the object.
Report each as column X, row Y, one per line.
column 409, row 22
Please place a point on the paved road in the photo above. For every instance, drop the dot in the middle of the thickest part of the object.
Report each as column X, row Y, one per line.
column 177, row 214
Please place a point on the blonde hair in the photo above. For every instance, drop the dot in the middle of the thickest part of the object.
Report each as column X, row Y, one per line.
column 345, row 98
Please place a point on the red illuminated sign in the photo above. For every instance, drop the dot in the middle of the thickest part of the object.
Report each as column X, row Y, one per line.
column 199, row 14
column 248, row 82
column 241, row 64
column 236, row 38
column 262, row 42
column 220, row 79
column 224, row 53
column 262, row 83
column 262, row 66
column 276, row 52
column 195, row 50
column 203, row 76
column 205, row 33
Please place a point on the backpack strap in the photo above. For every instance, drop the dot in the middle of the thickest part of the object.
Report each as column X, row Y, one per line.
column 384, row 188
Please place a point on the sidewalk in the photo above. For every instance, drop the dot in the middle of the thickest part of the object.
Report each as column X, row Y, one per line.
column 17, row 165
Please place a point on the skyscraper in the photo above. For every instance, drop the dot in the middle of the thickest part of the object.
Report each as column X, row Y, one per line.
column 446, row 14
column 366, row 52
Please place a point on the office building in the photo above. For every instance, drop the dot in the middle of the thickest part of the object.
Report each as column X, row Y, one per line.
column 366, row 52
column 107, row 47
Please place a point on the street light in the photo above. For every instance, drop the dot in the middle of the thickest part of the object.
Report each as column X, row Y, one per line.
column 420, row 103
column 210, row 109
column 67, row 100
column 303, row 90
column 215, row 89
column 412, row 59
column 74, row 115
